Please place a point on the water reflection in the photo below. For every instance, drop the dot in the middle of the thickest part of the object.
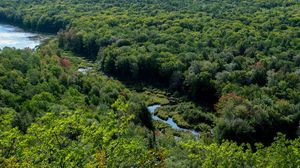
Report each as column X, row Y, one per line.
column 11, row 36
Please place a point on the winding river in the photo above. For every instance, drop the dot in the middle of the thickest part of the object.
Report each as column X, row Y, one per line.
column 169, row 121
column 11, row 36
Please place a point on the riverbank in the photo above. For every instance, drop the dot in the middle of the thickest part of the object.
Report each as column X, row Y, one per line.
column 151, row 96
column 16, row 37
column 169, row 121
column 159, row 96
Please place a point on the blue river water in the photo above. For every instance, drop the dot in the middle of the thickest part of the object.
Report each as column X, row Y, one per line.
column 11, row 36
column 169, row 121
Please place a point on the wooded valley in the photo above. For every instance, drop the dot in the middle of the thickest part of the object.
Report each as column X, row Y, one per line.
column 232, row 68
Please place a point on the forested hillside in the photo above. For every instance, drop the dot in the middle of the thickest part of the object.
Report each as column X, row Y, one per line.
column 53, row 115
column 235, row 63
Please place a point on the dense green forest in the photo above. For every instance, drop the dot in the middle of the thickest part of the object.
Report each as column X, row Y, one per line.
column 51, row 115
column 234, row 66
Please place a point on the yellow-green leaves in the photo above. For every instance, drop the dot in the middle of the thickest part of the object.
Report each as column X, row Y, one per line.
column 282, row 153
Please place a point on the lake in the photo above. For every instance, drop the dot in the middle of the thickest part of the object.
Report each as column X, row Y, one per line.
column 11, row 36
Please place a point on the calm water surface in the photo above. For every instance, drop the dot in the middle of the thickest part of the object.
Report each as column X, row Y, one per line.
column 169, row 121
column 11, row 36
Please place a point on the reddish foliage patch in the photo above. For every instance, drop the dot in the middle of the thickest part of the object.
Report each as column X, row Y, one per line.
column 259, row 65
column 65, row 62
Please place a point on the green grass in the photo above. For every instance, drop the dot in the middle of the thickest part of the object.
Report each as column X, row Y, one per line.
column 163, row 114
column 180, row 121
column 153, row 96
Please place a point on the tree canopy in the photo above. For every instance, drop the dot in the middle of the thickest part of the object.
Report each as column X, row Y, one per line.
column 234, row 63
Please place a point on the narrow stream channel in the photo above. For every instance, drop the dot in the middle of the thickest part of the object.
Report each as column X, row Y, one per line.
column 169, row 121
column 85, row 70
column 11, row 36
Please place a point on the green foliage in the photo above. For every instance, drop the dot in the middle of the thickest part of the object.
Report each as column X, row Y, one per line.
column 62, row 118
column 282, row 153
column 239, row 57
column 187, row 115
column 255, row 121
column 201, row 49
